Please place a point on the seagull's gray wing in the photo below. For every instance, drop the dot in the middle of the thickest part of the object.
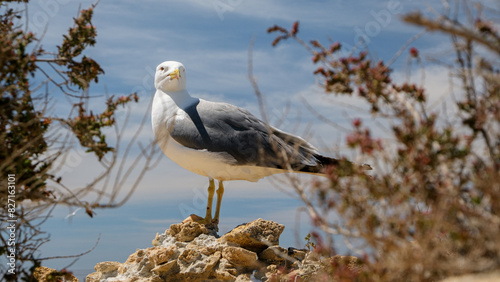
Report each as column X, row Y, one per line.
column 227, row 129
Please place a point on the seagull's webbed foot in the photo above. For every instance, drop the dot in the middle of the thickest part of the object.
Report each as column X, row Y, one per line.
column 201, row 220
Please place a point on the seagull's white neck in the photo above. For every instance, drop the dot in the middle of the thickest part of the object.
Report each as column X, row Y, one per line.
column 182, row 98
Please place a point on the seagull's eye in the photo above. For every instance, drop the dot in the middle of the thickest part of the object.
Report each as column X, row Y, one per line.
column 162, row 68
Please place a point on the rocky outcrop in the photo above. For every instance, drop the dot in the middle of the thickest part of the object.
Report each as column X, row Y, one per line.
column 190, row 251
column 43, row 273
column 255, row 236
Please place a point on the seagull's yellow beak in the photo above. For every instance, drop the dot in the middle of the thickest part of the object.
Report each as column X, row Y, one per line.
column 175, row 74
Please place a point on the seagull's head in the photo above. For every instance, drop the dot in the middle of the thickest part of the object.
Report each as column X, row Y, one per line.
column 170, row 77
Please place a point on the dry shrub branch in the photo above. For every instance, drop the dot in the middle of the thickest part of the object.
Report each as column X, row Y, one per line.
column 431, row 209
column 36, row 141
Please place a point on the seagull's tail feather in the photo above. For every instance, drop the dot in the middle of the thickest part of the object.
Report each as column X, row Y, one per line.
column 344, row 167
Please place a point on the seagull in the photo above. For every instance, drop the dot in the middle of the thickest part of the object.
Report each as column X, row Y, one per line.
column 221, row 141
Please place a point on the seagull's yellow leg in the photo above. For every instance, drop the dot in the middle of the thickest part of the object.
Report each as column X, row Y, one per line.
column 211, row 190
column 220, row 191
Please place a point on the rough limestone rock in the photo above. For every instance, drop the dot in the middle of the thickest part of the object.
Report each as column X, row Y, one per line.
column 187, row 231
column 274, row 254
column 240, row 257
column 255, row 236
column 192, row 252
column 43, row 273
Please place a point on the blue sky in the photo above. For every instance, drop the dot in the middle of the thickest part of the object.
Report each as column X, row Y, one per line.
column 212, row 38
